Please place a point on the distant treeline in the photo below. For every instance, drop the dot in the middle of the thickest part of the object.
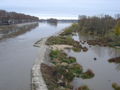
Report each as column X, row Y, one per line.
column 15, row 18
column 99, row 25
column 52, row 20
column 59, row 20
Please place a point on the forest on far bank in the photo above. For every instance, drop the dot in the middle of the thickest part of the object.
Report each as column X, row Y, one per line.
column 100, row 25
column 104, row 26
column 7, row 18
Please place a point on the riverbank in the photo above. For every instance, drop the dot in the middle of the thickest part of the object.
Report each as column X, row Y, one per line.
column 59, row 69
column 38, row 82
column 15, row 67
column 56, row 77
column 37, row 79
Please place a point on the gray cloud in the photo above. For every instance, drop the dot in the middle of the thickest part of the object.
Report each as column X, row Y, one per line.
column 62, row 7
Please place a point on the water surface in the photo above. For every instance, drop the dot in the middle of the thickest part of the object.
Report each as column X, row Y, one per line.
column 105, row 73
column 17, row 53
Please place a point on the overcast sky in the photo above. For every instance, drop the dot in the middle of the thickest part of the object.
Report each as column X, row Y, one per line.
column 62, row 8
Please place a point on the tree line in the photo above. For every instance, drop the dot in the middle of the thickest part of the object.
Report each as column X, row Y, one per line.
column 15, row 18
column 99, row 25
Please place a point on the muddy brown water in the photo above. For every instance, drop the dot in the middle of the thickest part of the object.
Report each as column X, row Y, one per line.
column 105, row 73
column 17, row 54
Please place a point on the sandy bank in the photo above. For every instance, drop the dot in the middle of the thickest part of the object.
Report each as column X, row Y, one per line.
column 60, row 47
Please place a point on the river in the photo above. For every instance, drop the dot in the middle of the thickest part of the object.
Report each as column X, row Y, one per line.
column 17, row 53
column 105, row 72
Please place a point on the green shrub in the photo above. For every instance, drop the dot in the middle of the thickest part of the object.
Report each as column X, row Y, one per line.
column 84, row 87
column 69, row 60
column 76, row 69
column 117, row 28
column 87, row 75
column 70, row 30
column 69, row 72
column 116, row 86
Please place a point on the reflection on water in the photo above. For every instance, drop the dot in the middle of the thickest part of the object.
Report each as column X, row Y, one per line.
column 15, row 30
column 53, row 23
column 100, row 51
column 118, row 67
column 105, row 73
column 17, row 55
column 84, row 36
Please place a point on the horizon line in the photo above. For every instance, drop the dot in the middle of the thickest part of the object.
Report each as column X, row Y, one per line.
column 48, row 17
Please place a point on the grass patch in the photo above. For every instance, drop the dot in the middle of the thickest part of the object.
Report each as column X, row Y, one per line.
column 114, row 60
column 114, row 44
column 116, row 86
column 60, row 40
column 76, row 49
column 64, row 40
column 88, row 74
column 84, row 87
column 64, row 62
column 59, row 57
column 70, row 30
column 64, row 70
